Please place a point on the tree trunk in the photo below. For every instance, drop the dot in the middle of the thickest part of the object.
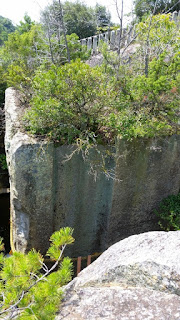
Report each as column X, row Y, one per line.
column 64, row 31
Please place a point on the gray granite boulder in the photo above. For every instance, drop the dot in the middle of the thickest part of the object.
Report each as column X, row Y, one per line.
column 136, row 278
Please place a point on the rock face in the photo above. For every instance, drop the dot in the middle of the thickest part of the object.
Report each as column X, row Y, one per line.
column 30, row 170
column 48, row 193
column 136, row 278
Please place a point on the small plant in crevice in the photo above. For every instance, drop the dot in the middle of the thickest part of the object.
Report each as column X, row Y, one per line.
column 3, row 163
column 169, row 213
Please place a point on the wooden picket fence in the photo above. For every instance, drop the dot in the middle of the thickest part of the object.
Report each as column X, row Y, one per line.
column 79, row 262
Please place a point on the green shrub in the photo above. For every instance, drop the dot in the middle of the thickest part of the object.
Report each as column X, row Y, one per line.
column 76, row 49
column 74, row 102
column 68, row 102
column 19, row 58
column 146, row 106
column 28, row 289
column 169, row 213
column 3, row 163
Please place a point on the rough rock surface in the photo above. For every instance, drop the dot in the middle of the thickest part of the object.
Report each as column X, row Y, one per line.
column 97, row 59
column 29, row 168
column 136, row 278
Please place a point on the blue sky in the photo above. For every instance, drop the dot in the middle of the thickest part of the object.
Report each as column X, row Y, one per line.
column 15, row 9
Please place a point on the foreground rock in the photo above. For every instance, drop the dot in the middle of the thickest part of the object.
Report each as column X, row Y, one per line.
column 136, row 278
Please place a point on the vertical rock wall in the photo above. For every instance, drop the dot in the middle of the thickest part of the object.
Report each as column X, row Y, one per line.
column 149, row 170
column 81, row 202
column 30, row 166
column 47, row 193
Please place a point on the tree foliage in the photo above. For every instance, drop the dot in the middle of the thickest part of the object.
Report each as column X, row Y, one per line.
column 129, row 96
column 148, row 102
column 6, row 27
column 103, row 17
column 78, row 18
column 75, row 96
column 28, row 289
column 116, row 100
column 169, row 213
column 25, row 51
column 21, row 55
column 25, row 25
column 144, row 7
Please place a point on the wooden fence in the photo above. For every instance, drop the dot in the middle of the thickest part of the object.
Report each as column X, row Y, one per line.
column 88, row 260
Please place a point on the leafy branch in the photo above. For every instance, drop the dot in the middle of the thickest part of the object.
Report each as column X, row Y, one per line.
column 25, row 291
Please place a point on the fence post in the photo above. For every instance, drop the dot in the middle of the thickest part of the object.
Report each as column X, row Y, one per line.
column 117, row 38
column 112, row 39
column 134, row 30
column 107, row 37
column 83, row 42
column 88, row 260
column 89, row 43
column 129, row 34
column 124, row 38
column 78, row 265
column 101, row 36
column 94, row 44
column 175, row 16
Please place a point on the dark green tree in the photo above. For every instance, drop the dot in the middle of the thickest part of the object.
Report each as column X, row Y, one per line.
column 144, row 7
column 21, row 55
column 6, row 27
column 79, row 19
column 103, row 17
column 25, row 25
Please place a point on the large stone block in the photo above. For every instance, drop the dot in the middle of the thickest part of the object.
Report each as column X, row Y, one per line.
column 48, row 193
column 149, row 170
